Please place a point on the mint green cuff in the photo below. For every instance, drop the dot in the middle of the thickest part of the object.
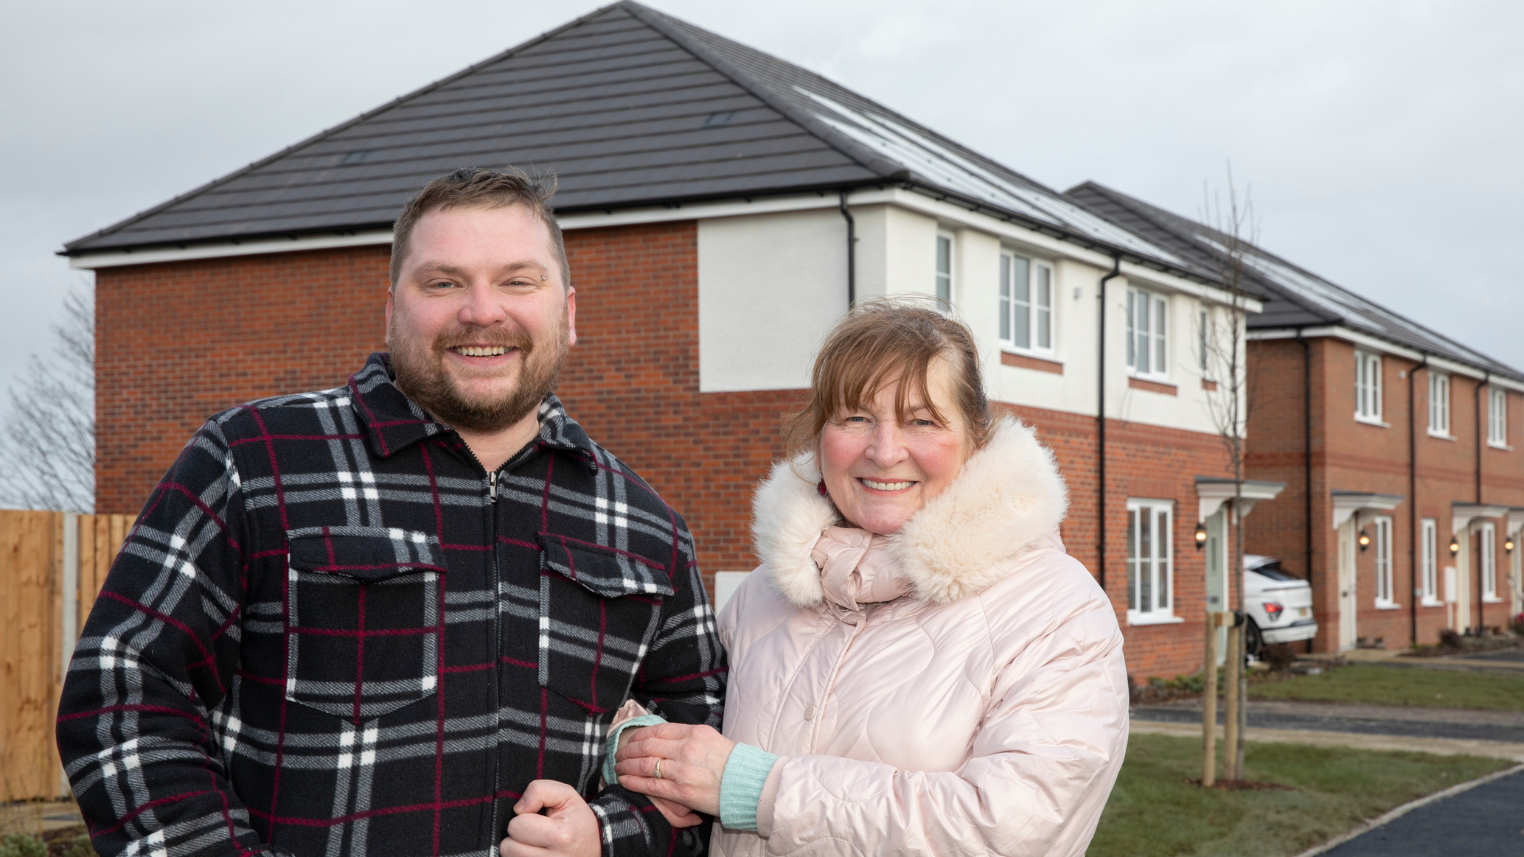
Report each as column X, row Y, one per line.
column 609, row 777
column 741, row 786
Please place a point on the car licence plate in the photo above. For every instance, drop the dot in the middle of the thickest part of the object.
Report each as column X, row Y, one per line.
column 1303, row 612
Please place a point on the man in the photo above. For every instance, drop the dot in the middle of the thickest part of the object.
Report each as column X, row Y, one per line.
column 393, row 617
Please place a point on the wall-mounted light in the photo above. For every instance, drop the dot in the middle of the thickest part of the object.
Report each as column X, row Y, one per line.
column 1200, row 535
column 1454, row 546
column 1508, row 544
column 1364, row 540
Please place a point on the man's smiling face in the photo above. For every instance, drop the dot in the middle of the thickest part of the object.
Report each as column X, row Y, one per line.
column 481, row 318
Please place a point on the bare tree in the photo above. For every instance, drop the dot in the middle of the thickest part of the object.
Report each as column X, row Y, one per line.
column 47, row 438
column 1232, row 229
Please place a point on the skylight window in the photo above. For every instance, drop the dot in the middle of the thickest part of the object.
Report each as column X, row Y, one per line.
column 354, row 158
column 715, row 120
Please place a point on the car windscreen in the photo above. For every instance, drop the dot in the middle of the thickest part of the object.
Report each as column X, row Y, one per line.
column 1273, row 571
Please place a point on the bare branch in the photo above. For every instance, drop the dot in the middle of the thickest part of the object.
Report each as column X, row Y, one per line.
column 47, row 438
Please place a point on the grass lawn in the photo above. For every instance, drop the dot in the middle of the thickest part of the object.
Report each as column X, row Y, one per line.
column 1401, row 686
column 1154, row 811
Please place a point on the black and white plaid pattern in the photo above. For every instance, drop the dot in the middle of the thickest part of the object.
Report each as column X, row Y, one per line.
column 331, row 632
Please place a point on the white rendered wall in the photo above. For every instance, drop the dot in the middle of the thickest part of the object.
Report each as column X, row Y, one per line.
column 770, row 287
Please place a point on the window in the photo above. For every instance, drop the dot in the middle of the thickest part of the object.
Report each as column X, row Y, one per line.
column 1439, row 404
column 1430, row 566
column 1489, row 562
column 1384, row 562
column 1497, row 416
column 944, row 271
column 1026, row 303
column 1367, row 387
column 1147, row 343
column 1205, row 345
column 1150, row 583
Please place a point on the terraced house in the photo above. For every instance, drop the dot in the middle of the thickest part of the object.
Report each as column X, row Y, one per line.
column 722, row 209
column 1401, row 449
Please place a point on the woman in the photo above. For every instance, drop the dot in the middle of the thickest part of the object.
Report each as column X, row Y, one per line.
column 917, row 667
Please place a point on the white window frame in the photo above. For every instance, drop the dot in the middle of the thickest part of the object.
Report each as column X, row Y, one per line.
column 1368, row 387
column 945, row 270
column 1204, row 343
column 1143, row 530
column 1497, row 417
column 1039, row 273
column 1383, row 544
column 1429, row 557
column 1439, row 405
column 1487, row 536
column 1147, row 344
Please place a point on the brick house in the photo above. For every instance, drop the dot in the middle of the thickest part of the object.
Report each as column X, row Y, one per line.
column 721, row 208
column 1401, row 450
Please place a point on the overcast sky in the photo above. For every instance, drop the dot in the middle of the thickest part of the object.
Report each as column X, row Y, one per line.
column 1382, row 140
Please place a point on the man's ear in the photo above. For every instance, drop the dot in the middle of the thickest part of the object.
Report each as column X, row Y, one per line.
column 571, row 315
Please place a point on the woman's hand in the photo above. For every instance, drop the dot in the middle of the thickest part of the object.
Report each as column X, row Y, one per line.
column 691, row 760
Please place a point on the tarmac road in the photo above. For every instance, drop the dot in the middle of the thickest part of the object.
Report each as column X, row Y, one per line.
column 1358, row 719
column 1486, row 820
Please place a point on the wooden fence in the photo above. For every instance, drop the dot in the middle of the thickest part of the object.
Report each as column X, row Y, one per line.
column 52, row 565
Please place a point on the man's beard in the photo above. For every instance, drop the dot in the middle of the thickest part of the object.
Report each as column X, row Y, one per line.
column 420, row 373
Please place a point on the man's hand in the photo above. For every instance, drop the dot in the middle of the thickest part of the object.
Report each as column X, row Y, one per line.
column 692, row 760
column 568, row 829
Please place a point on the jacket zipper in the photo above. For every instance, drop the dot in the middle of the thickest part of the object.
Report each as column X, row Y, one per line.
column 498, row 835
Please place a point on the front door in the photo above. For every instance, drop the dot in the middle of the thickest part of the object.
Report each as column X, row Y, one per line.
column 1463, row 572
column 1347, row 585
column 1217, row 575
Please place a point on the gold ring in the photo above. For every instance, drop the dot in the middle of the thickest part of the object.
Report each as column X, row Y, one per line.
column 658, row 769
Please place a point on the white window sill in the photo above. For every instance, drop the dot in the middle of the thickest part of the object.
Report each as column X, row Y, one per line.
column 1503, row 446
column 1157, row 379
column 1029, row 352
column 1431, row 602
column 1439, row 436
column 1153, row 619
column 1372, row 421
column 1387, row 605
column 1491, row 599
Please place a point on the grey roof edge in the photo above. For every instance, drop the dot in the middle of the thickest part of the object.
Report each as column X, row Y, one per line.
column 70, row 248
column 1141, row 209
column 864, row 157
column 1142, row 212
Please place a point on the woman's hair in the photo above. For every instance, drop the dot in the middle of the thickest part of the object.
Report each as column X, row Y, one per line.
column 877, row 341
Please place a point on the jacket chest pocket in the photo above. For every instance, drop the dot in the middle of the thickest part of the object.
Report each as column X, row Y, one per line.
column 364, row 615
column 598, row 613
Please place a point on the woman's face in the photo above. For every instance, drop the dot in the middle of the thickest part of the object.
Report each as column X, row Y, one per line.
column 880, row 470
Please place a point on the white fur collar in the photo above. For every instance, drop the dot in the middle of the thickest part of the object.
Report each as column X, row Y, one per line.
column 1008, row 496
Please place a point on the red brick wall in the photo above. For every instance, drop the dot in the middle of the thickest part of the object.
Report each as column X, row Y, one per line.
column 1348, row 455
column 178, row 342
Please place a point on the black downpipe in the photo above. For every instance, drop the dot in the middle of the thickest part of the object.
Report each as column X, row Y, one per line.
column 1486, row 379
column 1307, row 452
column 1413, row 502
column 1100, row 423
column 851, row 253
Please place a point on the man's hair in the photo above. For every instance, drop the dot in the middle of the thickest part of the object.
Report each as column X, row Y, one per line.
column 474, row 187
column 879, row 340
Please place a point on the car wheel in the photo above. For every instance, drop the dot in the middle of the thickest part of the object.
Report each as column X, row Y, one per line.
column 1253, row 640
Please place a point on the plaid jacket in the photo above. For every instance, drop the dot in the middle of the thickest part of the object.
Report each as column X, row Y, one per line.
column 331, row 632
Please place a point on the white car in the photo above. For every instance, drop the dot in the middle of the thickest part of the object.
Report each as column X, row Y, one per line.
column 1279, row 605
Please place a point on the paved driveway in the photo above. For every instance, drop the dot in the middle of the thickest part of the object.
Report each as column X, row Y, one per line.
column 1487, row 820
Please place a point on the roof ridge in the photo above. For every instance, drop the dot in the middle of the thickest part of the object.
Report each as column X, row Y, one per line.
column 764, row 92
column 330, row 132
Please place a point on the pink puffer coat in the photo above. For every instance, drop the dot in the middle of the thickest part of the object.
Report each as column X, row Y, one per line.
column 954, row 689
